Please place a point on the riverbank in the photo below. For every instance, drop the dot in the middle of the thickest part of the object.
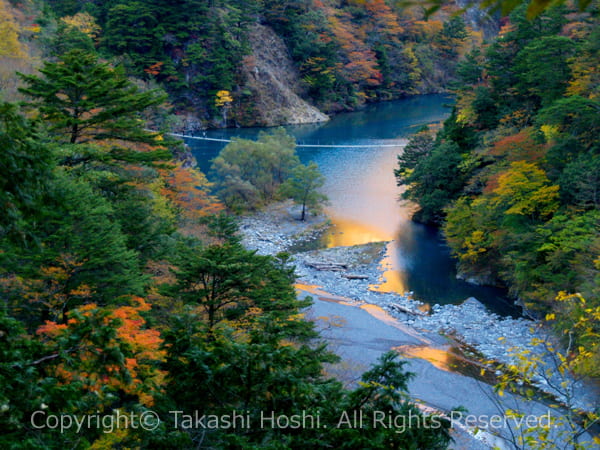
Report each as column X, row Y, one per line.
column 350, row 275
column 353, row 273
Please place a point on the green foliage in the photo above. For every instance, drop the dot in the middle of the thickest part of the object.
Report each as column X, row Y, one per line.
column 249, row 173
column 25, row 165
column 435, row 181
column 484, row 106
column 544, row 63
column 303, row 187
column 580, row 182
column 469, row 70
column 83, row 256
column 130, row 29
column 256, row 378
column 419, row 147
column 347, row 53
column 225, row 280
column 20, row 394
column 84, row 100
column 450, row 38
column 510, row 76
column 225, row 333
column 147, row 231
column 571, row 126
column 68, row 38
column 525, row 142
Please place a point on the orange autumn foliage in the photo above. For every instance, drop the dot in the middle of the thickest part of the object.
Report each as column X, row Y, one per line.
column 359, row 61
column 188, row 189
column 53, row 291
column 107, row 349
column 383, row 17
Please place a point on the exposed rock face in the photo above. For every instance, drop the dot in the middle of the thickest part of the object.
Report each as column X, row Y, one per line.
column 185, row 156
column 275, row 83
column 480, row 18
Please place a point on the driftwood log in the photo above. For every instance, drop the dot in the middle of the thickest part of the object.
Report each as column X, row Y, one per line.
column 334, row 267
column 413, row 312
column 355, row 277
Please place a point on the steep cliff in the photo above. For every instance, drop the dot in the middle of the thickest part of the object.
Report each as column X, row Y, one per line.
column 480, row 19
column 273, row 80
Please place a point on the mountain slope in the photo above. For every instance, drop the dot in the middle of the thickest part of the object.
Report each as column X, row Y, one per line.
column 274, row 82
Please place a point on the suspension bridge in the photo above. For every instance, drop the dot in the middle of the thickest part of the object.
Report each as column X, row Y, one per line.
column 399, row 143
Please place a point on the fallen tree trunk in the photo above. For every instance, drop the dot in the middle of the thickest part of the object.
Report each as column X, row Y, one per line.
column 335, row 267
column 412, row 312
column 355, row 277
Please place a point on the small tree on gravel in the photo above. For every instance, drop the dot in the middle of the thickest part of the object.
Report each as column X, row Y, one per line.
column 303, row 187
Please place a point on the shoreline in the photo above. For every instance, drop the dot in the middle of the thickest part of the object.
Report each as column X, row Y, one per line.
column 350, row 275
column 355, row 272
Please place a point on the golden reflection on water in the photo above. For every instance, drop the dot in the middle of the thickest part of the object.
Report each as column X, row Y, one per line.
column 392, row 280
column 367, row 210
column 346, row 232
column 442, row 359
column 449, row 359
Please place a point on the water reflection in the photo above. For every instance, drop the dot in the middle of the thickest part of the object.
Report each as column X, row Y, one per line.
column 364, row 197
column 395, row 277
column 345, row 232
column 450, row 359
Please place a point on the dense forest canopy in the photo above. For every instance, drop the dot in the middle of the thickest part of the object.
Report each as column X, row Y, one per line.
column 346, row 53
column 125, row 296
column 513, row 177
column 126, row 292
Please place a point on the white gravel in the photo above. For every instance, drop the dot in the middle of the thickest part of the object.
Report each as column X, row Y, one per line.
column 277, row 228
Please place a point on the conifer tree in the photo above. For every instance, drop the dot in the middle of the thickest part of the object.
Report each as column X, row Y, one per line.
column 24, row 169
column 84, row 100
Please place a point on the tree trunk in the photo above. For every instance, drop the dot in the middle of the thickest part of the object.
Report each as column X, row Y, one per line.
column 74, row 133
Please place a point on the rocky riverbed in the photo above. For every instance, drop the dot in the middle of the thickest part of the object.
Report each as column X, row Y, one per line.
column 355, row 271
column 352, row 274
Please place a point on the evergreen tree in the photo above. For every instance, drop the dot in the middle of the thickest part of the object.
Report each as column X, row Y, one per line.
column 543, row 69
column 82, row 258
column 85, row 100
column 25, row 169
column 436, row 181
column 419, row 147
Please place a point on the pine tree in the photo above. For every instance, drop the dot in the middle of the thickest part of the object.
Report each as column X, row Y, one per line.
column 84, row 100
column 25, row 166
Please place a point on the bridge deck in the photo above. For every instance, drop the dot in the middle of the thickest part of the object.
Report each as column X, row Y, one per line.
column 202, row 138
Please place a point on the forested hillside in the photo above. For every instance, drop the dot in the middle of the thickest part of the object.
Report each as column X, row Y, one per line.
column 514, row 176
column 129, row 307
column 131, row 315
column 345, row 53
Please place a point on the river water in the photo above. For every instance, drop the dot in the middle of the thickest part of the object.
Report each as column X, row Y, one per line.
column 363, row 195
